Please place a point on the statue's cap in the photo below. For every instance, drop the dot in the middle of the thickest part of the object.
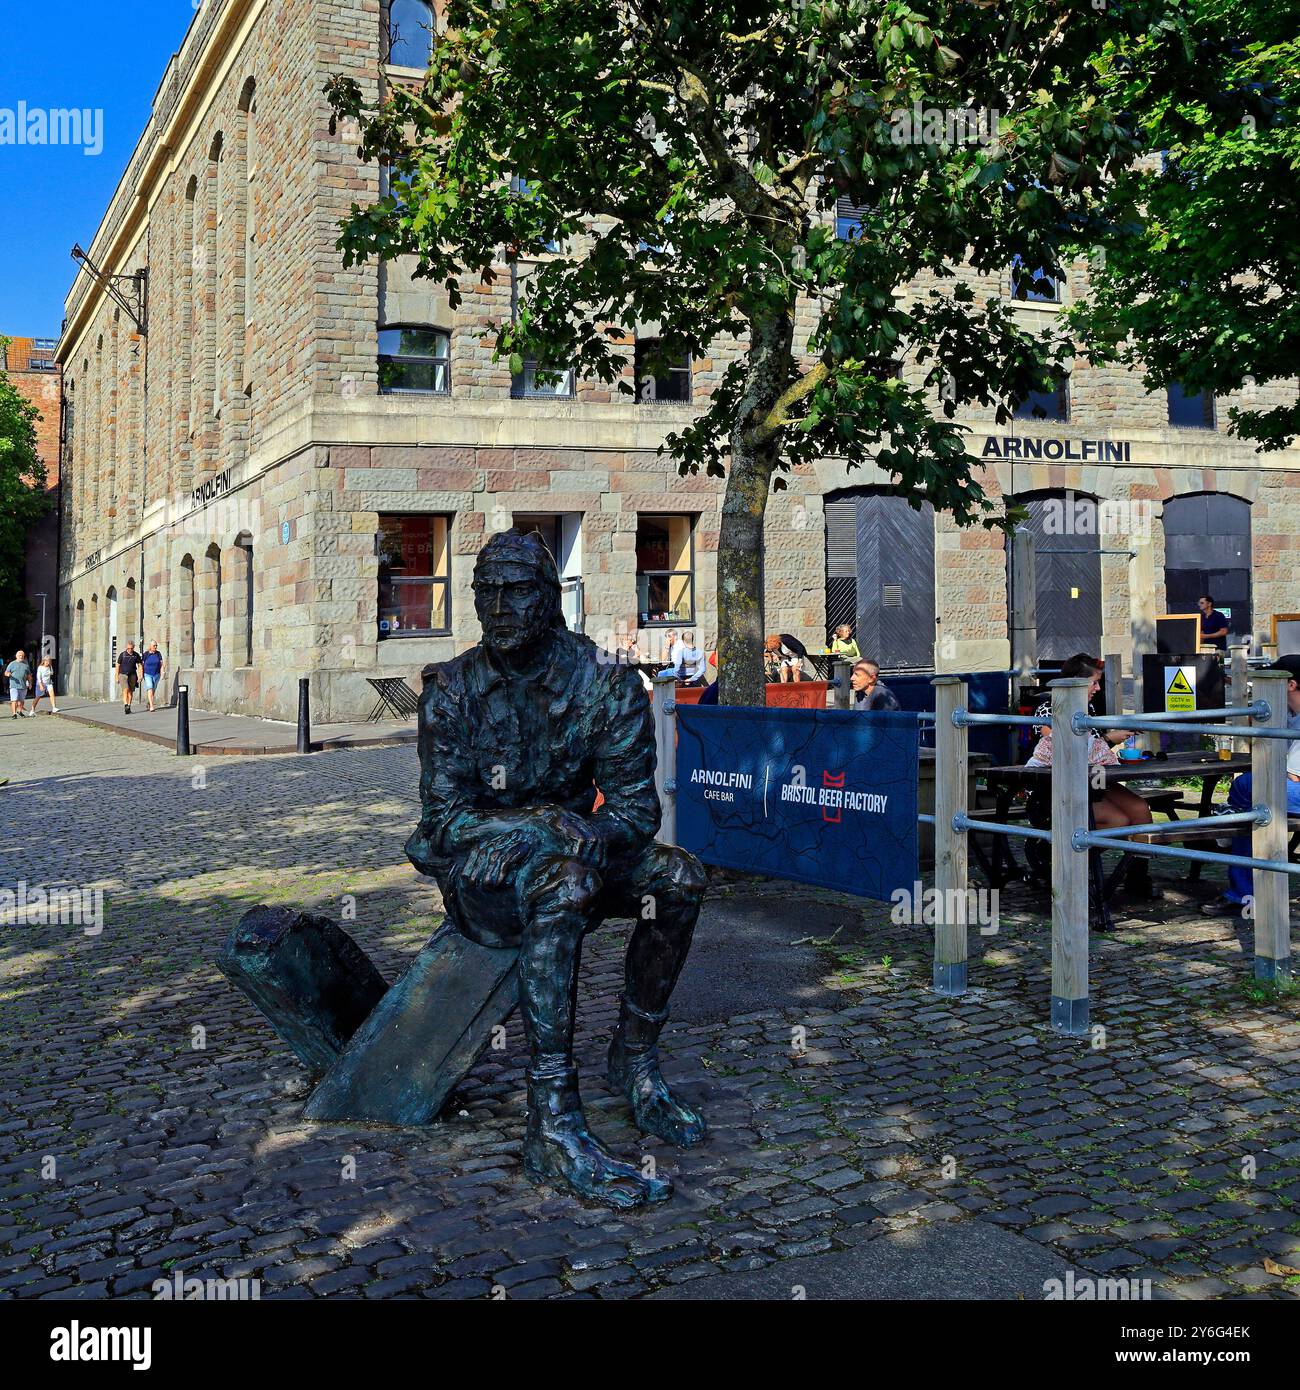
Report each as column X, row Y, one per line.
column 519, row 550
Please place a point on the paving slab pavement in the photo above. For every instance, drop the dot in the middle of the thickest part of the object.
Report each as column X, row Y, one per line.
column 213, row 734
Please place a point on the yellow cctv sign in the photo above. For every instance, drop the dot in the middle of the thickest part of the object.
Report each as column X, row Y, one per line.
column 1180, row 688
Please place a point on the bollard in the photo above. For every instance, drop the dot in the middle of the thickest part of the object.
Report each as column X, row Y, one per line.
column 1240, row 687
column 1069, row 866
column 664, row 706
column 304, row 715
column 840, row 671
column 951, row 743
column 183, row 747
column 1268, row 788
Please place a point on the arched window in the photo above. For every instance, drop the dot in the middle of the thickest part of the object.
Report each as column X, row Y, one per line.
column 410, row 33
column 248, row 106
column 208, row 654
column 185, row 611
column 414, row 359
column 217, row 348
column 880, row 575
column 79, row 648
column 241, row 583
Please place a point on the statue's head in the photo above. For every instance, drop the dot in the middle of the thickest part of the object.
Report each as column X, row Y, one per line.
column 516, row 591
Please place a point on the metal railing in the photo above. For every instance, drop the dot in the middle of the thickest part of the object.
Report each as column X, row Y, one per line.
column 1071, row 837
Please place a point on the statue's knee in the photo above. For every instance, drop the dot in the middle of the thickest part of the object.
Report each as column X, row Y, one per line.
column 563, row 885
column 683, row 874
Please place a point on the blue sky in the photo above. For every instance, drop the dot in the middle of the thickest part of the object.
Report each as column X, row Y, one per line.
column 105, row 57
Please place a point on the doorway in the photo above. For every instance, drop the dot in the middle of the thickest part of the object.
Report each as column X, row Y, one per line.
column 880, row 576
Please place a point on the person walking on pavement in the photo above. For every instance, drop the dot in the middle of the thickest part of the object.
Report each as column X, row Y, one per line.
column 44, row 686
column 153, row 669
column 19, row 675
column 128, row 674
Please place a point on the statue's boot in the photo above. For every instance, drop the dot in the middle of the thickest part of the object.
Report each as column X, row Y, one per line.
column 634, row 1072
column 559, row 1149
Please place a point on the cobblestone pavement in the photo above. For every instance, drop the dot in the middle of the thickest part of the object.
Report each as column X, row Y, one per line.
column 151, row 1121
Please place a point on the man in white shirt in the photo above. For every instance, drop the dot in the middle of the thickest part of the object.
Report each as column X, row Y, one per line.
column 688, row 661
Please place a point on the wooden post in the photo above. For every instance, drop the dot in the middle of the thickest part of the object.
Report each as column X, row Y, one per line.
column 1240, row 687
column 841, row 670
column 1024, row 612
column 1069, row 866
column 1268, row 788
column 1114, row 676
column 950, row 852
column 664, row 704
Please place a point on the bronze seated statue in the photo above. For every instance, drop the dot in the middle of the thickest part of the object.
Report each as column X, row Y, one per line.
column 515, row 737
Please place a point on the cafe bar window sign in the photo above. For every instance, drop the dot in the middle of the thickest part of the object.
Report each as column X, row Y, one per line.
column 414, row 575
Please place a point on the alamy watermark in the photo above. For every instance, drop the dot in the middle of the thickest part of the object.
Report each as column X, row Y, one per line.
column 24, row 906
column 918, row 906
column 38, row 125
column 1112, row 516
column 1088, row 1290
column 945, row 126
column 190, row 1288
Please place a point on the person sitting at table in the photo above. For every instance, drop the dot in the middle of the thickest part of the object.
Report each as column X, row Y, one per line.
column 786, row 655
column 1112, row 806
column 869, row 691
column 1241, row 882
column 844, row 647
column 688, row 661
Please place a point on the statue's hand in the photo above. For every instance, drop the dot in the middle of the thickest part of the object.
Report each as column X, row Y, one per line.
column 490, row 863
column 577, row 836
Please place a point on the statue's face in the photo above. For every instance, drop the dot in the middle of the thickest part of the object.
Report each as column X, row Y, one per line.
column 514, row 606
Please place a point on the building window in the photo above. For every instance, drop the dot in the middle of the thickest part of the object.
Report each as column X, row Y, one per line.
column 848, row 219
column 414, row 575
column 1037, row 286
column 665, row 569
column 1050, row 404
column 414, row 359
column 538, row 382
column 659, row 378
column 1190, row 411
column 410, row 33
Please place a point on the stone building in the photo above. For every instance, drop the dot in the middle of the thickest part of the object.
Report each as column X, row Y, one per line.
column 290, row 472
column 31, row 368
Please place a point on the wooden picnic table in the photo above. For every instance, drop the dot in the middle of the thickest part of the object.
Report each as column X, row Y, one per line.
column 1004, row 782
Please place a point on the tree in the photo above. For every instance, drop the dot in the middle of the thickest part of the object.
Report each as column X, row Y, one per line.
column 687, row 156
column 1202, row 288
column 22, row 502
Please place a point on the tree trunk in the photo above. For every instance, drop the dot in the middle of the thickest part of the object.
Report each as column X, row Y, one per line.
column 754, row 456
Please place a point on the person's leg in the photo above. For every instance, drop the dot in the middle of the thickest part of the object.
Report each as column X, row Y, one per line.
column 1127, row 808
column 662, row 892
column 1241, row 879
column 559, row 897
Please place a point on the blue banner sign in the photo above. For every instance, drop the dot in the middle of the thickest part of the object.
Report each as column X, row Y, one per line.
column 819, row 796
